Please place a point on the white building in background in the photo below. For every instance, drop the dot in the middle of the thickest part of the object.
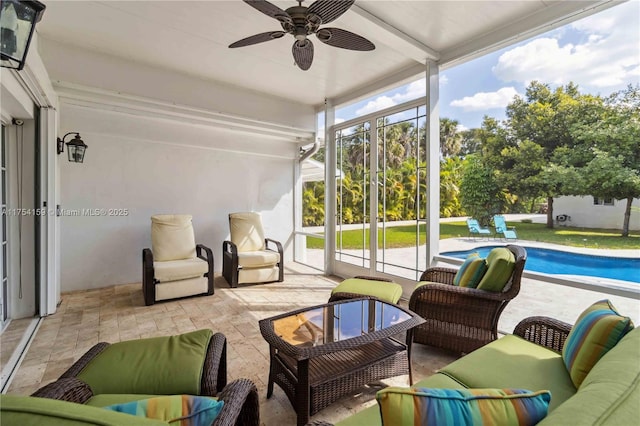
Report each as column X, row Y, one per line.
column 593, row 212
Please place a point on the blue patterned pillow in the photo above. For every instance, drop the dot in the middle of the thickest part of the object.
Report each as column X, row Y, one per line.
column 598, row 329
column 182, row 410
column 462, row 407
column 471, row 271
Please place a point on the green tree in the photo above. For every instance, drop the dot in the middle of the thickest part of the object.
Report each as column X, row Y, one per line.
column 538, row 127
column 313, row 204
column 613, row 171
column 471, row 142
column 450, row 178
column 450, row 137
column 480, row 193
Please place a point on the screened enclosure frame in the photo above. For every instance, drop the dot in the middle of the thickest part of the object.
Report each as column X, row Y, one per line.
column 369, row 134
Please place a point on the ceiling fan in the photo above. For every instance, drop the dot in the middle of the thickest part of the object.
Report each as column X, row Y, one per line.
column 301, row 21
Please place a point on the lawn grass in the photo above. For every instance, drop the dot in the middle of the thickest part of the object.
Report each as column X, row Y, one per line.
column 405, row 236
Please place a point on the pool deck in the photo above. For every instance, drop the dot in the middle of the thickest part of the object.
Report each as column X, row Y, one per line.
column 541, row 297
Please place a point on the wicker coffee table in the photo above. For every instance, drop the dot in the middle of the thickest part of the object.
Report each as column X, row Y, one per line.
column 324, row 352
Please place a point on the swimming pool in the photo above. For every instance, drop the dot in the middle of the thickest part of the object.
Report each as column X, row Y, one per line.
column 564, row 263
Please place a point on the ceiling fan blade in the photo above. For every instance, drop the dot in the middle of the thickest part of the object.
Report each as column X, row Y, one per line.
column 330, row 10
column 345, row 39
column 303, row 53
column 270, row 10
column 258, row 38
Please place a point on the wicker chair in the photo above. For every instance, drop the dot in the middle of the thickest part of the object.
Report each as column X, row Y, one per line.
column 461, row 319
column 240, row 397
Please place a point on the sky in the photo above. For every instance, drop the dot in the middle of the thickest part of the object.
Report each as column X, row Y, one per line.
column 600, row 53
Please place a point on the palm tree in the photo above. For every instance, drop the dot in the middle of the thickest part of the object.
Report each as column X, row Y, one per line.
column 450, row 138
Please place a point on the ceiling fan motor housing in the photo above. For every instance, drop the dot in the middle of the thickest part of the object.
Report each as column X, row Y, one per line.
column 300, row 22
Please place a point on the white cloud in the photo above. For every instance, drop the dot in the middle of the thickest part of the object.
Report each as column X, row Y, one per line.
column 411, row 91
column 606, row 57
column 414, row 90
column 381, row 102
column 486, row 100
column 339, row 120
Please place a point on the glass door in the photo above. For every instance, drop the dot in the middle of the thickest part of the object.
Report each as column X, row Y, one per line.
column 353, row 145
column 386, row 152
column 401, row 183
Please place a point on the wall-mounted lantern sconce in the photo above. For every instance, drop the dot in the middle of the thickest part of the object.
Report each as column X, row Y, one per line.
column 17, row 23
column 75, row 147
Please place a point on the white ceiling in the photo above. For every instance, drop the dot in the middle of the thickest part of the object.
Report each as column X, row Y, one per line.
column 192, row 37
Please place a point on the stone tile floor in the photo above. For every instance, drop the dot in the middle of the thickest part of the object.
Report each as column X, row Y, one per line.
column 11, row 337
column 117, row 313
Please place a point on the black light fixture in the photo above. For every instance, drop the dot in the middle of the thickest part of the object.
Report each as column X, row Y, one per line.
column 75, row 147
column 17, row 23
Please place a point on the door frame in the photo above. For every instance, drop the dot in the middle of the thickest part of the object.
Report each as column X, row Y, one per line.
column 431, row 100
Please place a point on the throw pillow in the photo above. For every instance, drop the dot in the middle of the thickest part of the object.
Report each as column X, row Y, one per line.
column 471, row 271
column 182, row 410
column 461, row 407
column 500, row 264
column 595, row 332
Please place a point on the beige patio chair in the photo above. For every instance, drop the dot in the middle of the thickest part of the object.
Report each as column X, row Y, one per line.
column 175, row 266
column 248, row 257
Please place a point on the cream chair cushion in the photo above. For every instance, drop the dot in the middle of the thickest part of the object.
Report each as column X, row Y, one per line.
column 258, row 275
column 181, row 288
column 172, row 237
column 172, row 270
column 258, row 259
column 246, row 231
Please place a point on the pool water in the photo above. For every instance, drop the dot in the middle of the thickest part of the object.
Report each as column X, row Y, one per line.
column 564, row 263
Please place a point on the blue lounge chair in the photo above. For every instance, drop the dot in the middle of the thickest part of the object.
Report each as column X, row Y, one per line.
column 508, row 233
column 476, row 230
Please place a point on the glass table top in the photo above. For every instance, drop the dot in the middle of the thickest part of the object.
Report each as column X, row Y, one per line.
column 337, row 322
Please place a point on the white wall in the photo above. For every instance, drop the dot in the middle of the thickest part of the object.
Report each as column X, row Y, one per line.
column 149, row 166
column 164, row 142
column 585, row 214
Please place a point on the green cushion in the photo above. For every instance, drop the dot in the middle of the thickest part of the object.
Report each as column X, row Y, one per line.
column 500, row 265
column 440, row 381
column 512, row 362
column 610, row 394
column 370, row 416
column 389, row 292
column 594, row 333
column 471, row 271
column 158, row 366
column 188, row 410
column 105, row 399
column 31, row 411
column 402, row 406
